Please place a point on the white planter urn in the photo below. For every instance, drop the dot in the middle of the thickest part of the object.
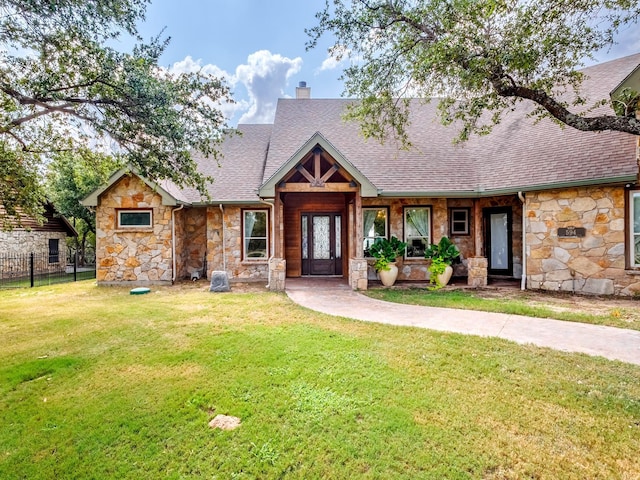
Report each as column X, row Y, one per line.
column 388, row 277
column 445, row 276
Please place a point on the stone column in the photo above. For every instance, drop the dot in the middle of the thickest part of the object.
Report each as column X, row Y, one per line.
column 478, row 272
column 277, row 274
column 358, row 273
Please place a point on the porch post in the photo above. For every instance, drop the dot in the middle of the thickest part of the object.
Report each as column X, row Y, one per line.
column 477, row 223
column 277, row 263
column 359, row 250
column 478, row 264
column 277, row 221
column 357, row 263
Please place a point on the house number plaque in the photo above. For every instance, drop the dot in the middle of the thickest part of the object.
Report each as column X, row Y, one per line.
column 572, row 232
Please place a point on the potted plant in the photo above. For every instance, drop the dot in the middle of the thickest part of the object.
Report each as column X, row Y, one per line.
column 385, row 251
column 442, row 255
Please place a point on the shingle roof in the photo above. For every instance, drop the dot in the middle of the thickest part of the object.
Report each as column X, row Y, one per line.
column 518, row 155
column 240, row 170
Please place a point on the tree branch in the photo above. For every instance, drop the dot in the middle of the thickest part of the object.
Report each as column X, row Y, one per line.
column 505, row 87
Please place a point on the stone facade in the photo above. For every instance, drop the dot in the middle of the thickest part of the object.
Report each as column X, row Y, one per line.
column 410, row 269
column 191, row 243
column 224, row 245
column 18, row 244
column 210, row 239
column 358, row 268
column 416, row 269
column 136, row 256
column 590, row 264
column 477, row 272
column 23, row 241
column 277, row 274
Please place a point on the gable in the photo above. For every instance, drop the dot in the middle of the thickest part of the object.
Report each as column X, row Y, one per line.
column 168, row 199
column 318, row 166
column 630, row 84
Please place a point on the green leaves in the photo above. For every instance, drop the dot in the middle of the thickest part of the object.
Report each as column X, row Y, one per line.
column 62, row 88
column 444, row 251
column 386, row 251
column 475, row 56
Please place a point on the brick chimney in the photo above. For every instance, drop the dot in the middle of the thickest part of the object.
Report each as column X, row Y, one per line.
column 302, row 91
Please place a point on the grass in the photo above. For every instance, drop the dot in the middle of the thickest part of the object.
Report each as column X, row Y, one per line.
column 97, row 383
column 44, row 279
column 546, row 305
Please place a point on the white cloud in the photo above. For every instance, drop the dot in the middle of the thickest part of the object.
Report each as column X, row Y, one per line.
column 189, row 65
column 330, row 63
column 337, row 56
column 264, row 76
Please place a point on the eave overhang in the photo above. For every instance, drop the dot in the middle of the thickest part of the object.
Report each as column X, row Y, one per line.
column 481, row 192
column 631, row 81
column 93, row 198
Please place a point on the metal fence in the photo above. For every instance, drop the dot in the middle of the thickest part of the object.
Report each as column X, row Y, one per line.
column 20, row 270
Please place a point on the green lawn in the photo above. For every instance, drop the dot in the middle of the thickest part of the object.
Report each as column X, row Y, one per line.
column 97, row 383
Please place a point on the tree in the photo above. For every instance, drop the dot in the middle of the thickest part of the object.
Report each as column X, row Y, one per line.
column 63, row 86
column 480, row 57
column 71, row 176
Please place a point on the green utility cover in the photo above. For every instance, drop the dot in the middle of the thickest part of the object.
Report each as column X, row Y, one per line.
column 139, row 291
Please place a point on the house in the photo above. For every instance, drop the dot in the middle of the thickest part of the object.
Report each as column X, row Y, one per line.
column 30, row 236
column 307, row 195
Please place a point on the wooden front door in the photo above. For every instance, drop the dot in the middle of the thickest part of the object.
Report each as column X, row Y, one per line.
column 498, row 240
column 321, row 243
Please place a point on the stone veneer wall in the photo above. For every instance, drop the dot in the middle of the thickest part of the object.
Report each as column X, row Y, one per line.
column 417, row 269
column 594, row 264
column 413, row 269
column 191, row 242
column 358, row 273
column 140, row 256
column 21, row 243
column 239, row 270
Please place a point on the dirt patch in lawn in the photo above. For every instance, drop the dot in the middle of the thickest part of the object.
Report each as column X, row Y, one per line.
column 597, row 305
column 626, row 309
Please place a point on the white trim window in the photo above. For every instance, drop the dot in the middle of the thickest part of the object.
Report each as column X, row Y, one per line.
column 634, row 230
column 255, row 234
column 374, row 225
column 417, row 230
column 459, row 221
column 140, row 218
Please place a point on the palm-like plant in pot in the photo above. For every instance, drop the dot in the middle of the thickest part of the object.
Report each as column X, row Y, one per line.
column 442, row 255
column 385, row 251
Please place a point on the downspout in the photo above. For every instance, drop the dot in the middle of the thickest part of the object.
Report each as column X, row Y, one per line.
column 173, row 240
column 224, row 242
column 523, row 281
column 272, row 206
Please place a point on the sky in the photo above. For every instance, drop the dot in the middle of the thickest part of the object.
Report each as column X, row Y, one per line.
column 258, row 46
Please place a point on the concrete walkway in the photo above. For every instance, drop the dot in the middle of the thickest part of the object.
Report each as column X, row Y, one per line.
column 336, row 298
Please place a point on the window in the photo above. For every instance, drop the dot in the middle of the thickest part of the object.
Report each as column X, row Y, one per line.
column 634, row 211
column 417, row 230
column 374, row 222
column 54, row 250
column 135, row 218
column 255, row 234
column 459, row 218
